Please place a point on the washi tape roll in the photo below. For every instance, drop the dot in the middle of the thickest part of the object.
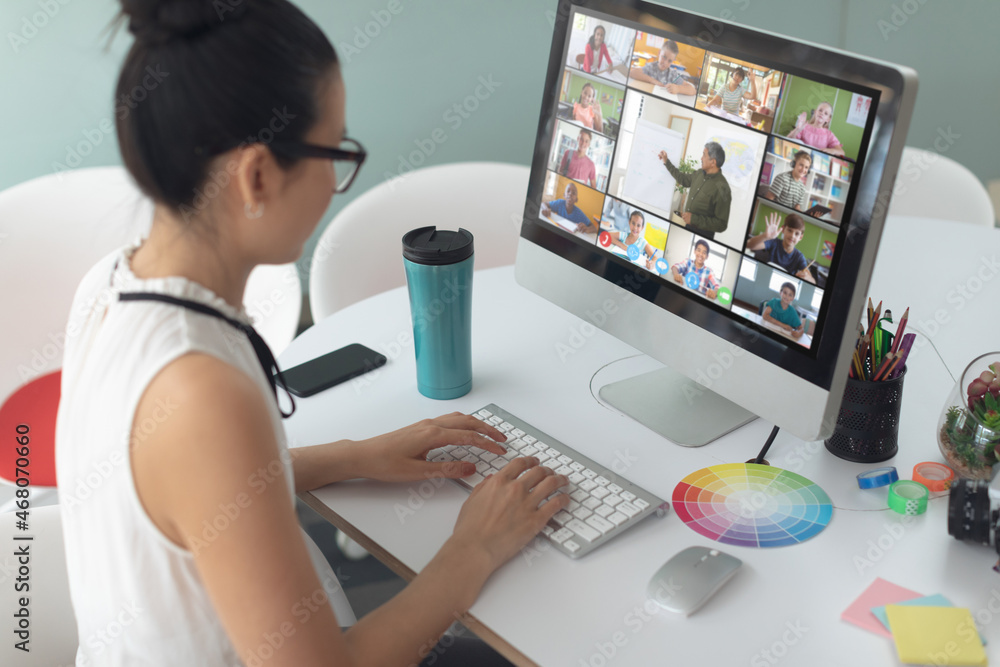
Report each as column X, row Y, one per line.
column 871, row 479
column 935, row 476
column 906, row 497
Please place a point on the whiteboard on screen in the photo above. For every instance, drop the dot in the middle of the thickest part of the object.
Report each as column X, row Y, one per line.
column 647, row 180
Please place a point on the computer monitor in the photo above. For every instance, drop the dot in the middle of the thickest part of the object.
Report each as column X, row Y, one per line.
column 744, row 266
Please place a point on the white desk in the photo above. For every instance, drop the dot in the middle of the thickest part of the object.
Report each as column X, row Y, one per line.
column 546, row 608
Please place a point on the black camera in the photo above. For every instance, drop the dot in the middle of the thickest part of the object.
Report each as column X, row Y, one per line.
column 974, row 511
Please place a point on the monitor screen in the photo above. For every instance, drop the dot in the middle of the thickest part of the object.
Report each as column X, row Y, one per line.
column 732, row 174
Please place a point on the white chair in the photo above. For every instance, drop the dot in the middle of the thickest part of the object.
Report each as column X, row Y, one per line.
column 53, row 634
column 930, row 185
column 486, row 198
column 52, row 230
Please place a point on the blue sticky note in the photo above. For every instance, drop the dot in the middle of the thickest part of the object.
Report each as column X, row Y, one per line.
column 927, row 601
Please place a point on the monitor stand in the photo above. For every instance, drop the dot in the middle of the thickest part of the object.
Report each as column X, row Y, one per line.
column 676, row 407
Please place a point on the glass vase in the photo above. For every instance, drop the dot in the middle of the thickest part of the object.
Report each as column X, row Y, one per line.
column 969, row 427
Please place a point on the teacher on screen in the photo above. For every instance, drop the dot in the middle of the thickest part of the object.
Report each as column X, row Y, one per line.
column 710, row 196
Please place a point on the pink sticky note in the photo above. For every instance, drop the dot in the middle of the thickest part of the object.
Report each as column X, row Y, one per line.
column 881, row 592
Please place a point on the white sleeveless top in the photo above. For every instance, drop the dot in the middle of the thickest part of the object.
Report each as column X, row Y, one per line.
column 137, row 596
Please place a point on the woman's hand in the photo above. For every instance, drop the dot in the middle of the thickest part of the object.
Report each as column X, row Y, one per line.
column 505, row 511
column 401, row 456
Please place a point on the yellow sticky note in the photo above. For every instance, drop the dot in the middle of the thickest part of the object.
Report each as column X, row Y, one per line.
column 935, row 635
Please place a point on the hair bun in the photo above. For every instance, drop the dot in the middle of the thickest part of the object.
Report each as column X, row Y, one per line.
column 160, row 21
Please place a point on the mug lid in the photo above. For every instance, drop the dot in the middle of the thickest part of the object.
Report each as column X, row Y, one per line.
column 429, row 245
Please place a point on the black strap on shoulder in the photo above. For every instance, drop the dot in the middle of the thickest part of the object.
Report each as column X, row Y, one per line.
column 260, row 347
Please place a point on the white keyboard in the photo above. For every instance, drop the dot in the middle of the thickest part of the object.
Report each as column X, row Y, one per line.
column 602, row 505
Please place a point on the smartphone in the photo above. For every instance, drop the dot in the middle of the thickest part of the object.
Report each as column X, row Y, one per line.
column 331, row 369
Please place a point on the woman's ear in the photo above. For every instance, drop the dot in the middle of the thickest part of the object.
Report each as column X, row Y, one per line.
column 254, row 170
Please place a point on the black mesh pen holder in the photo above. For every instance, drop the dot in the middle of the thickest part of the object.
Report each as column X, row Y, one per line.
column 868, row 422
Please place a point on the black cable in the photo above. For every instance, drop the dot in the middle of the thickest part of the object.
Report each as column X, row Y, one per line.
column 767, row 445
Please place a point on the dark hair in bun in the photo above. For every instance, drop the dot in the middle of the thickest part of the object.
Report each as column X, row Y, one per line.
column 206, row 76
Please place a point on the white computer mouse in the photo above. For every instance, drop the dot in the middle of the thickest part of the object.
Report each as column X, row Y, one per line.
column 685, row 582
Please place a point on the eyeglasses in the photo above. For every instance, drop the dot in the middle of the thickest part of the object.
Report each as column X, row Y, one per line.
column 347, row 158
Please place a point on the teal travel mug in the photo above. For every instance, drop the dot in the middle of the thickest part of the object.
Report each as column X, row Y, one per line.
column 438, row 267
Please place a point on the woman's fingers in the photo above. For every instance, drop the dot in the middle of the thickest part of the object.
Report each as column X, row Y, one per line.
column 545, row 488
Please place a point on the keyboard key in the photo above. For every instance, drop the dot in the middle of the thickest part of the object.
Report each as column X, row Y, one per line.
column 540, row 445
column 487, row 456
column 565, row 460
column 516, row 444
column 561, row 535
column 528, row 451
column 604, row 511
column 579, row 467
column 516, row 432
column 589, row 474
column 510, row 454
column 617, row 518
column 581, row 513
column 479, row 417
column 572, row 505
column 614, row 488
column 600, row 524
column 591, row 503
column 563, row 470
column 495, row 420
column 583, row 530
column 580, row 495
column 486, row 414
column 602, row 480
column 542, row 457
column 547, row 531
column 528, row 439
column 505, row 426
column 612, row 500
column 470, row 458
column 562, row 517
column 628, row 509
column 640, row 503
column 483, row 467
column 499, row 463
column 575, row 478
column 550, row 463
column 459, row 452
column 474, row 479
column 571, row 546
column 600, row 492
column 588, row 485
column 553, row 452
column 627, row 495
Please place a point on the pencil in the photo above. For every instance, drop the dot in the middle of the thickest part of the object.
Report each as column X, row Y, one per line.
column 883, row 367
column 900, row 329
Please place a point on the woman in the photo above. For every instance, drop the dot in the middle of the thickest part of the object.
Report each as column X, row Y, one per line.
column 194, row 532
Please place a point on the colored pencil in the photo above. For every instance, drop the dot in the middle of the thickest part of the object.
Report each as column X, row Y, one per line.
column 899, row 330
column 900, row 363
column 883, row 367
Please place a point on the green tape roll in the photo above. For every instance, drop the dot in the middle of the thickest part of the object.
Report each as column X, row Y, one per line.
column 906, row 497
